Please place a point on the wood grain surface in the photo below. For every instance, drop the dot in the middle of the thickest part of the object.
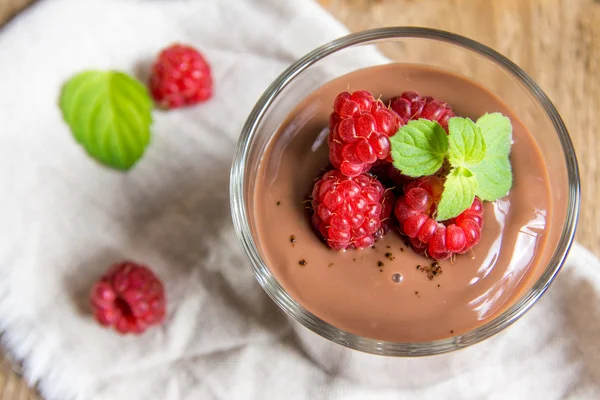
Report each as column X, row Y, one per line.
column 556, row 41
column 9, row 8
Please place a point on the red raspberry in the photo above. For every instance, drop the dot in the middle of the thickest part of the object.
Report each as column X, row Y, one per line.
column 410, row 105
column 441, row 240
column 129, row 297
column 350, row 212
column 180, row 76
column 360, row 127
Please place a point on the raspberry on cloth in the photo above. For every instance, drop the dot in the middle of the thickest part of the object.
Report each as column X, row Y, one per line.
column 65, row 219
column 129, row 297
column 180, row 76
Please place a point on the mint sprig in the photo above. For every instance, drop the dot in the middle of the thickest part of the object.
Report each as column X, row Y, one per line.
column 497, row 133
column 458, row 194
column 494, row 178
column 419, row 148
column 477, row 152
column 109, row 114
column 494, row 173
column 466, row 144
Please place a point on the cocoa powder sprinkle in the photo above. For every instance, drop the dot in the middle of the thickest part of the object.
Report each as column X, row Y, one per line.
column 432, row 271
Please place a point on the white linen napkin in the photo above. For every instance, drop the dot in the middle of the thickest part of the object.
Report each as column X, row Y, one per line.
column 64, row 219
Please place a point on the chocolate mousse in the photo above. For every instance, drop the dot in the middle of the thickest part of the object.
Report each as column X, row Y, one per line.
column 386, row 290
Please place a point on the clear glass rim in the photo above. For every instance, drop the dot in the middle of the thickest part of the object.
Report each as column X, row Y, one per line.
column 330, row 332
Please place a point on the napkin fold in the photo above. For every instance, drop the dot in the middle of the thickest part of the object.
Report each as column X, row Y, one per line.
column 65, row 219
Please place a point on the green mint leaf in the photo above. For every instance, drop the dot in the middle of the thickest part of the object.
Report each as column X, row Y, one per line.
column 497, row 133
column 109, row 114
column 494, row 174
column 466, row 145
column 419, row 148
column 494, row 178
column 458, row 195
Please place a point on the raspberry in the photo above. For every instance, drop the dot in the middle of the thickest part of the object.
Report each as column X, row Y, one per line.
column 410, row 105
column 350, row 212
column 128, row 297
column 360, row 127
column 440, row 240
column 180, row 77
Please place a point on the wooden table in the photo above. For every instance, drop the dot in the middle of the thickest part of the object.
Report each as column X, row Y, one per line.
column 556, row 41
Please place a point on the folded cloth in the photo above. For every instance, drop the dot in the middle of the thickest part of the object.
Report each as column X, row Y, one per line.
column 65, row 219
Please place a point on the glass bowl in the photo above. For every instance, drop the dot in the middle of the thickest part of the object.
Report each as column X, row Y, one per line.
column 416, row 46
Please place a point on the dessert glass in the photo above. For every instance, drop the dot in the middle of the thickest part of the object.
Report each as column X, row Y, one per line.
column 417, row 46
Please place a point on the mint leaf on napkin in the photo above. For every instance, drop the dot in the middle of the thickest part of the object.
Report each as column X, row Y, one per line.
column 109, row 114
